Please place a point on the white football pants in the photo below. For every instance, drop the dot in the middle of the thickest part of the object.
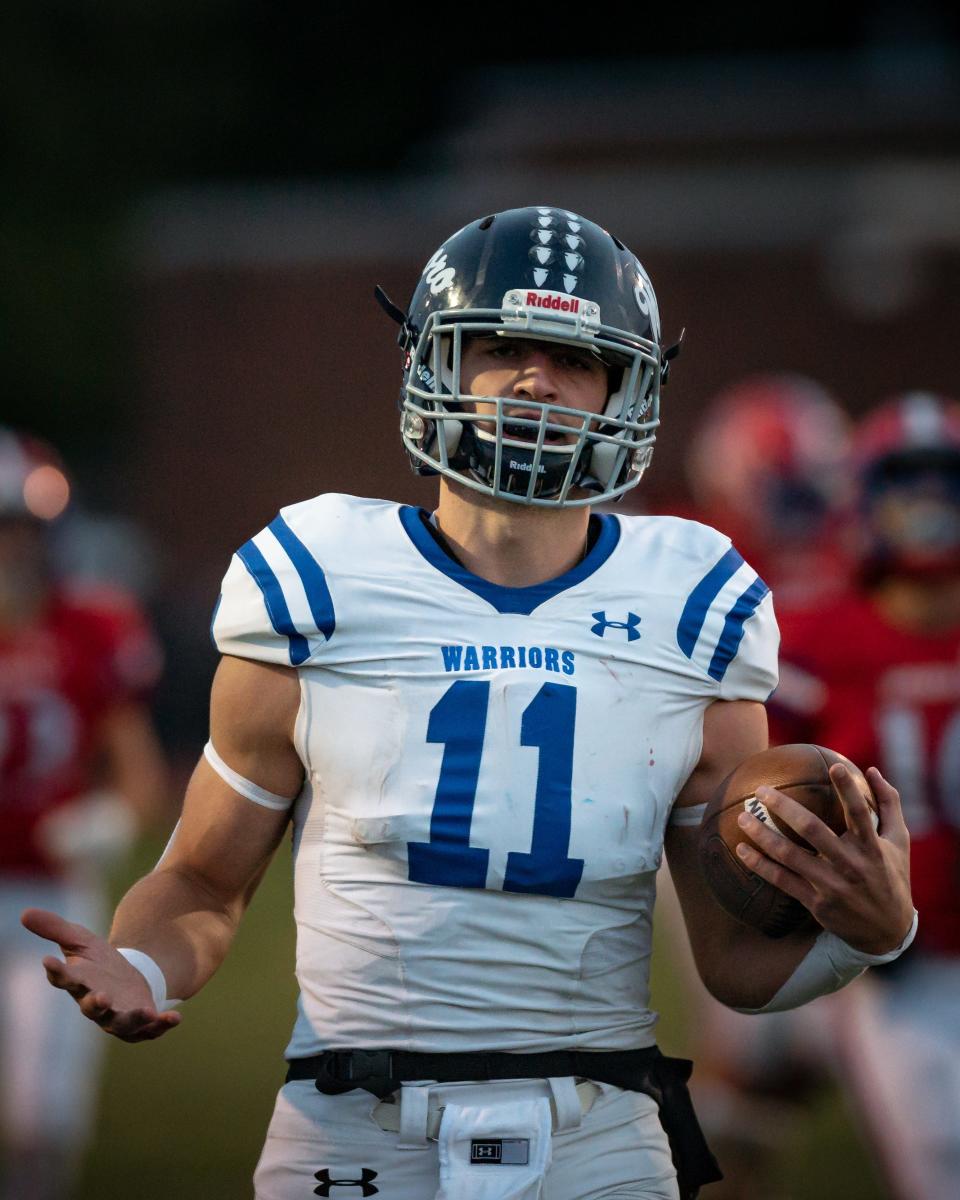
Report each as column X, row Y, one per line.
column 901, row 1052
column 509, row 1140
column 50, row 1054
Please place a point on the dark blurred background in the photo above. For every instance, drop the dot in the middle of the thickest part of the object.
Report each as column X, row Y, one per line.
column 197, row 199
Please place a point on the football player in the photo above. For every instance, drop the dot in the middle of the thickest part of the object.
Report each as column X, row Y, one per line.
column 765, row 466
column 876, row 676
column 484, row 724
column 80, row 768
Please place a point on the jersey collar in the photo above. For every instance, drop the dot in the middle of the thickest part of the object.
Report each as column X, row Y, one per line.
column 509, row 599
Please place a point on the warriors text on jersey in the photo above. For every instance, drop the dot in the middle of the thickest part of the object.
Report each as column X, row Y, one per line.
column 489, row 770
column 890, row 698
column 59, row 676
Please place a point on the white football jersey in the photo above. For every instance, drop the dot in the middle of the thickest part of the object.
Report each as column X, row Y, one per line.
column 488, row 770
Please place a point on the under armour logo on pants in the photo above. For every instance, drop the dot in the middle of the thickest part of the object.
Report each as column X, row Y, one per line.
column 326, row 1183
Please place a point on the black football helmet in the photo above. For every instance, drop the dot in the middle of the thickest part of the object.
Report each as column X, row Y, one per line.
column 535, row 273
column 907, row 460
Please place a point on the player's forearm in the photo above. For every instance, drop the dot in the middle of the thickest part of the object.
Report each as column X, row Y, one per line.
column 184, row 914
column 180, row 923
column 739, row 966
column 743, row 968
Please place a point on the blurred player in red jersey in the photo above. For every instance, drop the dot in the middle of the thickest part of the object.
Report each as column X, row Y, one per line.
column 80, row 769
column 763, row 466
column 876, row 675
column 766, row 465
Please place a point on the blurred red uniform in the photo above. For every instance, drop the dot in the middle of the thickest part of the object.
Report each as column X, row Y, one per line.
column 80, row 770
column 875, row 674
column 59, row 677
column 889, row 697
column 765, row 466
column 869, row 666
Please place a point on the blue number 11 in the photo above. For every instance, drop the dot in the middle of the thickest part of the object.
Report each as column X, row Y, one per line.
column 458, row 721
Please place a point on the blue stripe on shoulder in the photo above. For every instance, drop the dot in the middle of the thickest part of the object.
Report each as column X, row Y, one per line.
column 703, row 595
column 744, row 607
column 311, row 576
column 277, row 609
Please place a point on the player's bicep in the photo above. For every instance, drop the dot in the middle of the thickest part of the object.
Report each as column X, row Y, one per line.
column 225, row 838
column 253, row 711
column 732, row 731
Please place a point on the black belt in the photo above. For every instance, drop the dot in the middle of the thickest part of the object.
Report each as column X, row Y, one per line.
column 665, row 1079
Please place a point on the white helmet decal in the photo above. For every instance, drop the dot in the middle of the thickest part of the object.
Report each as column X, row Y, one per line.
column 646, row 300
column 438, row 275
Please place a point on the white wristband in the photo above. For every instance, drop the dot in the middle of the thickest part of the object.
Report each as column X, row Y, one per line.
column 845, row 957
column 151, row 972
column 829, row 965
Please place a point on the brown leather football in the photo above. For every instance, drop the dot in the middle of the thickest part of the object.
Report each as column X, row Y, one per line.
column 800, row 770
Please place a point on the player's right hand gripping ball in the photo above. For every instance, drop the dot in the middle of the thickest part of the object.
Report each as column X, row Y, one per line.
column 801, row 772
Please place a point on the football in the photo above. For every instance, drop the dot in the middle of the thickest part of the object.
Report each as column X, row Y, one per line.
column 801, row 771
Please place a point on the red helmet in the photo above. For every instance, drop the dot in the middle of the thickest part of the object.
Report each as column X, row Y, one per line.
column 767, row 458
column 907, row 460
column 33, row 482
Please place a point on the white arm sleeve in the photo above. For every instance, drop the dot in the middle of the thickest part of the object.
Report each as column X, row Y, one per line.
column 830, row 964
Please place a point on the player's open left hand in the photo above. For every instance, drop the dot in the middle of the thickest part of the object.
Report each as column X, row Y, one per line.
column 857, row 885
column 108, row 990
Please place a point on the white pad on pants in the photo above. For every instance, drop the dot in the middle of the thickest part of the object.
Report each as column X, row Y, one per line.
column 496, row 1151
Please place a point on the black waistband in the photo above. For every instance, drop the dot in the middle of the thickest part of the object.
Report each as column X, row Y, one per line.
column 665, row 1079
column 382, row 1071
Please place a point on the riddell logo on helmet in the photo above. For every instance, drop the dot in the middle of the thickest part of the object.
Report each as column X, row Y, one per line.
column 555, row 300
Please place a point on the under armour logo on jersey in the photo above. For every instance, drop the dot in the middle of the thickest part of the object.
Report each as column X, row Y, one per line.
column 326, row 1183
column 630, row 625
